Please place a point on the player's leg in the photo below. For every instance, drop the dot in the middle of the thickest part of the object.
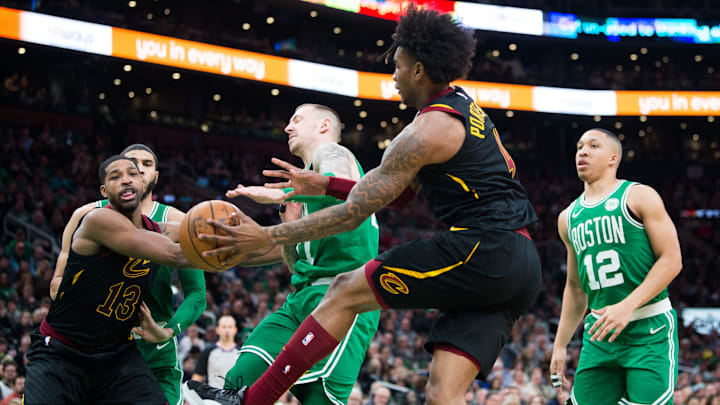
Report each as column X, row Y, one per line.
column 460, row 340
column 598, row 385
column 349, row 294
column 450, row 376
column 162, row 359
column 600, row 378
column 317, row 337
column 51, row 378
column 651, row 358
column 331, row 378
column 338, row 372
column 130, row 382
column 262, row 346
column 427, row 282
column 170, row 381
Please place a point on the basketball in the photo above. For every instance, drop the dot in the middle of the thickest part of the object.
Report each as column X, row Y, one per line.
column 195, row 222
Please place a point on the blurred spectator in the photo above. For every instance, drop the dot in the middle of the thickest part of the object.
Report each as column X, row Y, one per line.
column 217, row 360
column 188, row 366
column 17, row 391
column 190, row 340
column 39, row 221
column 381, row 396
column 8, row 377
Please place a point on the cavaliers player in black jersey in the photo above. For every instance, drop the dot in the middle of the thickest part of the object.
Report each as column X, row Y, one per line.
column 83, row 352
column 482, row 273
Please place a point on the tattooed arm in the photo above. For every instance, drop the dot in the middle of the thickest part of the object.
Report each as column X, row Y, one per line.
column 416, row 146
column 335, row 159
column 171, row 230
column 419, row 144
column 290, row 256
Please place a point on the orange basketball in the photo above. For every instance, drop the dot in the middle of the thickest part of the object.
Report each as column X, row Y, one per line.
column 195, row 223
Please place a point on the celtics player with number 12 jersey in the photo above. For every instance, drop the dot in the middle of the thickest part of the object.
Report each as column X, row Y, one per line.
column 162, row 357
column 623, row 251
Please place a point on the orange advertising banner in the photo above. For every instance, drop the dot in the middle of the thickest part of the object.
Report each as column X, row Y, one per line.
column 10, row 23
column 198, row 56
column 96, row 38
column 380, row 86
column 668, row 102
column 499, row 95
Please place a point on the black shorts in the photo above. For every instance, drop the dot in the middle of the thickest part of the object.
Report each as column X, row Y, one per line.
column 481, row 280
column 59, row 374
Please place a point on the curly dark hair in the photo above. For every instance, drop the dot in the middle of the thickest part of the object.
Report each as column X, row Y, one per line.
column 444, row 47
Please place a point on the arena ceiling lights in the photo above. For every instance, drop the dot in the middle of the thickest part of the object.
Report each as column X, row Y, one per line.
column 168, row 51
column 529, row 21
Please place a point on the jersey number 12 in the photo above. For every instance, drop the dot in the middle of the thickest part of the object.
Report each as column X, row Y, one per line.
column 608, row 272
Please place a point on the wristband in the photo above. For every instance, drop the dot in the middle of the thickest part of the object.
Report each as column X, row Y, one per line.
column 556, row 380
column 339, row 188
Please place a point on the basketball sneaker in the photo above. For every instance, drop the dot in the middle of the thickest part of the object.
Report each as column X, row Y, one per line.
column 197, row 393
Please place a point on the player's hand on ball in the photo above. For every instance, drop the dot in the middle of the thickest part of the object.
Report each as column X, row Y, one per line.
column 238, row 241
column 149, row 330
column 259, row 194
column 303, row 182
column 612, row 318
column 557, row 369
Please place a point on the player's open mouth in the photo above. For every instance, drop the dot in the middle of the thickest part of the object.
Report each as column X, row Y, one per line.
column 581, row 164
column 128, row 195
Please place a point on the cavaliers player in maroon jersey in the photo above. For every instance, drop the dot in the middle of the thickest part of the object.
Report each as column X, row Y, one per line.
column 83, row 352
column 482, row 273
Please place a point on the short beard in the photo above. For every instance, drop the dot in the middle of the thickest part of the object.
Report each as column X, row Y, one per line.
column 149, row 189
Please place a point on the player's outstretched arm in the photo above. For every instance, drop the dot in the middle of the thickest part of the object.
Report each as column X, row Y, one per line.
column 416, row 146
column 328, row 159
column 272, row 256
column 646, row 203
column 192, row 282
column 65, row 246
column 114, row 231
column 259, row 194
column 309, row 183
column 574, row 306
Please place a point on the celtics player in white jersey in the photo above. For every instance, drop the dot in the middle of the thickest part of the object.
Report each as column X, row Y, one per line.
column 314, row 133
column 623, row 251
column 161, row 357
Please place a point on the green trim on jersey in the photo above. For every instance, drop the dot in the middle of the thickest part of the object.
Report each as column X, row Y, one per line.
column 335, row 254
column 158, row 213
column 612, row 249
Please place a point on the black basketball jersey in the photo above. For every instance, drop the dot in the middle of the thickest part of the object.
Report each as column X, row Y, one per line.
column 100, row 296
column 478, row 187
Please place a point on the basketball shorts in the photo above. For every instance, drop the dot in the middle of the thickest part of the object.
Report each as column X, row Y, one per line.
column 639, row 367
column 165, row 367
column 59, row 374
column 481, row 280
column 329, row 381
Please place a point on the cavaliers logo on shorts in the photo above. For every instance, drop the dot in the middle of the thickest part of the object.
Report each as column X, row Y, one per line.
column 392, row 284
